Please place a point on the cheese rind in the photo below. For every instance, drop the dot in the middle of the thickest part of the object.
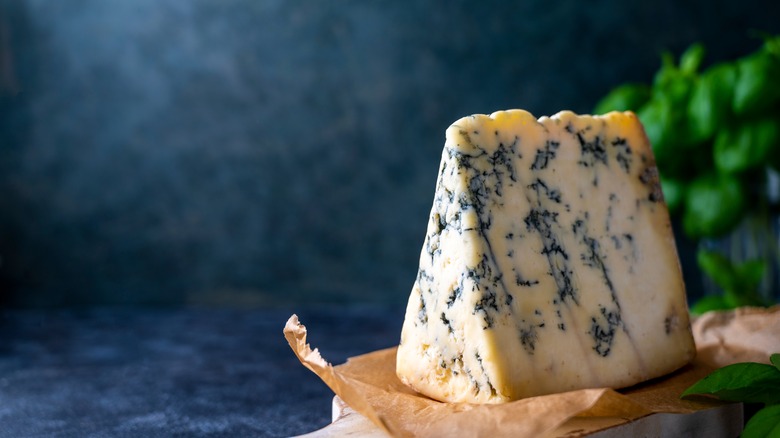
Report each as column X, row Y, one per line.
column 548, row 265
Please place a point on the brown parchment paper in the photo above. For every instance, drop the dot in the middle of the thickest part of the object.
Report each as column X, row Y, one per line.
column 368, row 384
column 747, row 334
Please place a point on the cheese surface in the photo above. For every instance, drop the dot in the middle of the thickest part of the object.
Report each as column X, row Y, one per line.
column 548, row 265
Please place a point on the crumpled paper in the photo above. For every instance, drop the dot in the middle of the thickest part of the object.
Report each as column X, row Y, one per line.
column 368, row 384
column 747, row 334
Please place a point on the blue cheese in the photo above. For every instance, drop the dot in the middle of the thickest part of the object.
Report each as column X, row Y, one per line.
column 549, row 263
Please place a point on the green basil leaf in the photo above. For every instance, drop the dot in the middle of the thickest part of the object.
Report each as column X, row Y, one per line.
column 742, row 297
column 775, row 359
column 714, row 205
column 627, row 97
column 691, row 59
column 757, row 87
column 739, row 283
column 673, row 83
column 747, row 382
column 677, row 89
column 656, row 118
column 772, row 44
column 747, row 145
column 751, row 273
column 774, row 154
column 764, row 423
column 718, row 268
column 667, row 71
column 710, row 104
column 708, row 303
column 667, row 135
column 674, row 193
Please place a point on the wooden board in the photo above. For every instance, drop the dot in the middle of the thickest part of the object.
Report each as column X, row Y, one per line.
column 724, row 421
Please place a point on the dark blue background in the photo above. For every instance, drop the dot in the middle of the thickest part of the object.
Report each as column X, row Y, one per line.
column 255, row 152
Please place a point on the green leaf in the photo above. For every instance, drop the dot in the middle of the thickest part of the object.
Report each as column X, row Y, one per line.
column 774, row 154
column 627, row 97
column 747, row 145
column 751, row 273
column 764, row 423
column 714, row 205
column 667, row 71
column 674, row 193
column 708, row 303
column 675, row 83
column 710, row 104
column 757, row 87
column 691, row 59
column 775, row 359
column 656, row 118
column 663, row 126
column 747, row 382
column 718, row 268
column 742, row 297
column 739, row 282
column 772, row 44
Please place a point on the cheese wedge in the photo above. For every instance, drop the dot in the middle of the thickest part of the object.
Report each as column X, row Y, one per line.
column 549, row 263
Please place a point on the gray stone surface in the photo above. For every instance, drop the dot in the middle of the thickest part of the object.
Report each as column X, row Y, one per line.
column 159, row 151
column 162, row 373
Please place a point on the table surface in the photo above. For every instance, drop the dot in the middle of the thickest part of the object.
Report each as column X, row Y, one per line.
column 162, row 372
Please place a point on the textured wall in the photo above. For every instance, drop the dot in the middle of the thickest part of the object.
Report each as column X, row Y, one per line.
column 161, row 151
